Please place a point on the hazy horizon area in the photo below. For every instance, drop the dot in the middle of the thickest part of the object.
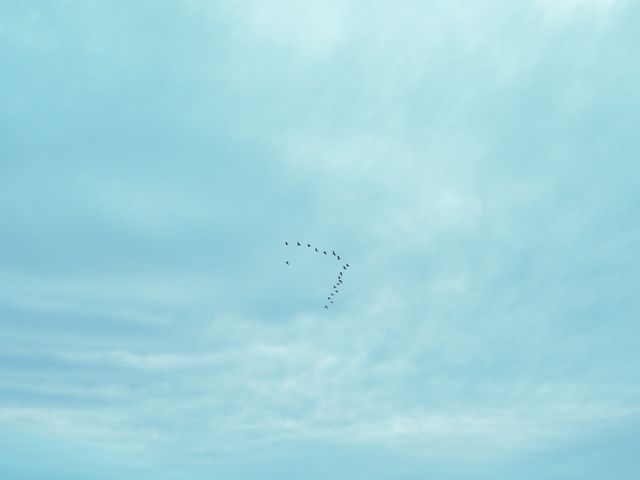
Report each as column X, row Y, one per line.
column 476, row 163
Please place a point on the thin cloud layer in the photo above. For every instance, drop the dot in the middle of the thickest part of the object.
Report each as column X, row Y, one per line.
column 476, row 164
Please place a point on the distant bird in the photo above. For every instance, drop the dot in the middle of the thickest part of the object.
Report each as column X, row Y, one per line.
column 338, row 279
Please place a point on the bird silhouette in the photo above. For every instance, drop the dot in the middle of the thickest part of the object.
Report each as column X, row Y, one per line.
column 339, row 282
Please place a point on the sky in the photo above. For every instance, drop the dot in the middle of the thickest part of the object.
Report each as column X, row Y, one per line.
column 476, row 163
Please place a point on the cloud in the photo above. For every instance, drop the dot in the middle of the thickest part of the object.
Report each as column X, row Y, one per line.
column 460, row 156
column 565, row 9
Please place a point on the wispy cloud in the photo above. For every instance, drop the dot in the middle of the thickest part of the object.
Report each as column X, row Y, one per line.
column 476, row 164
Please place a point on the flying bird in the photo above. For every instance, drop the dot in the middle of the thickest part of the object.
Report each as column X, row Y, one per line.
column 338, row 279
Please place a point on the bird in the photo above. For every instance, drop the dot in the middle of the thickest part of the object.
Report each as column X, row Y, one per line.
column 324, row 252
column 347, row 265
column 340, row 281
column 328, row 298
column 344, row 267
column 286, row 243
column 334, row 252
column 332, row 294
column 331, row 301
column 338, row 257
column 287, row 262
column 316, row 249
column 308, row 244
column 326, row 307
column 298, row 243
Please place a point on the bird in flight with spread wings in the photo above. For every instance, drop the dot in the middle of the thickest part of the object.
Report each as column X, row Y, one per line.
column 339, row 281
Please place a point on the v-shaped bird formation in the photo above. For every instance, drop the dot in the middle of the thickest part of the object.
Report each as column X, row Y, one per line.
column 341, row 269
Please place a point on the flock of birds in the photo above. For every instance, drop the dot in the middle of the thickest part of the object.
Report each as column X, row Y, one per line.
column 338, row 283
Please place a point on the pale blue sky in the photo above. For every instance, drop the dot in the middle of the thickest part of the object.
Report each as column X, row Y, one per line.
column 475, row 162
